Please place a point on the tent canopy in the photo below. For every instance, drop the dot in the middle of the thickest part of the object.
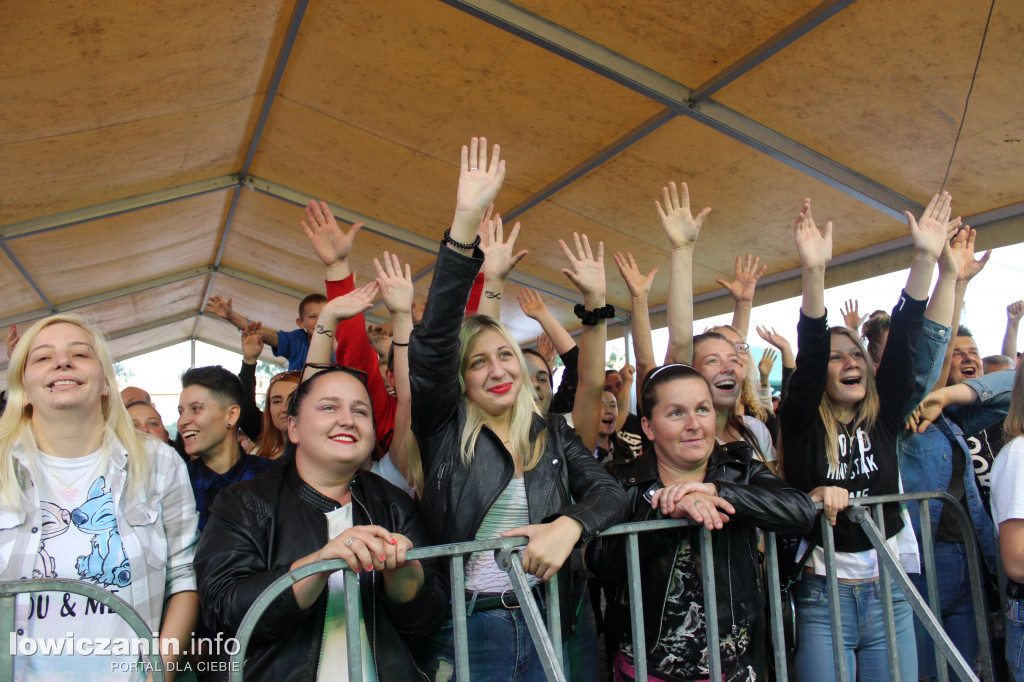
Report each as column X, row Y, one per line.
column 155, row 153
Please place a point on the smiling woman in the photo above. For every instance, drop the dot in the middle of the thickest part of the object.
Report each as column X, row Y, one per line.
column 317, row 506
column 114, row 505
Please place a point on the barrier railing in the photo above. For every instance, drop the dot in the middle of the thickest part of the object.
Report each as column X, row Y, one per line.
column 547, row 637
column 10, row 590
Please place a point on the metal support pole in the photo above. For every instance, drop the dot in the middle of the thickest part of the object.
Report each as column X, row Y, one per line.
column 707, row 576
column 353, row 625
column 775, row 607
column 636, row 606
column 549, row 659
column 885, row 593
column 928, row 551
column 835, row 609
column 460, row 628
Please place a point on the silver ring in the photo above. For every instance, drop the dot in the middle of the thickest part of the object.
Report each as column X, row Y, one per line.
column 698, row 502
column 348, row 543
column 472, row 169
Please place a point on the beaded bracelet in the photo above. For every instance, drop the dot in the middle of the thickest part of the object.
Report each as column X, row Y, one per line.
column 448, row 240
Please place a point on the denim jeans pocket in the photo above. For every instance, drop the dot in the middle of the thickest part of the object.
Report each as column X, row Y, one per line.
column 809, row 595
column 1015, row 643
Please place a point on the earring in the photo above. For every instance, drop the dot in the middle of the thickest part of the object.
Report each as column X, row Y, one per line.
column 229, row 425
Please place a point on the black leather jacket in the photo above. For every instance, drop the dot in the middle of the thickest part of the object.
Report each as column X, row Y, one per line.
column 258, row 528
column 568, row 481
column 760, row 498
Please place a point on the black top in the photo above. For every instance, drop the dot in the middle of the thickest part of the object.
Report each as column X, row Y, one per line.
column 867, row 459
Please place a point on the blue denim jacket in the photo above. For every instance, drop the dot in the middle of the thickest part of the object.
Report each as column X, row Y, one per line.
column 926, row 459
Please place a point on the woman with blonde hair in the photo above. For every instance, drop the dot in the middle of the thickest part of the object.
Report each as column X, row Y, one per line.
column 493, row 465
column 114, row 506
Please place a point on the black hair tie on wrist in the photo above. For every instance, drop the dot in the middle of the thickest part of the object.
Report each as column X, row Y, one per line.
column 591, row 317
column 448, row 240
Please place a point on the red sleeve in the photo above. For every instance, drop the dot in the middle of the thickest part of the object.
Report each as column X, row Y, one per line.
column 354, row 350
column 474, row 294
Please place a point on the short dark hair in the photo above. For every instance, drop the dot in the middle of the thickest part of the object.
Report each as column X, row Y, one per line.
column 312, row 298
column 535, row 352
column 964, row 331
column 225, row 386
column 663, row 375
column 877, row 324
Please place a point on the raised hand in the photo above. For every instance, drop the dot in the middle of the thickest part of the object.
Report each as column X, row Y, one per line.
column 500, row 256
column 639, row 284
column 546, row 348
column 951, row 260
column 969, row 266
column 774, row 338
column 479, row 180
column 585, row 271
column 219, row 307
column 930, row 232
column 331, row 243
column 396, row 286
column 813, row 245
column 346, row 307
column 851, row 314
column 680, row 226
column 1014, row 312
column 252, row 342
column 764, row 367
column 747, row 274
column 532, row 304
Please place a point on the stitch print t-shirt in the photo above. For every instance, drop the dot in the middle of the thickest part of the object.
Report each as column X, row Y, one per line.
column 80, row 541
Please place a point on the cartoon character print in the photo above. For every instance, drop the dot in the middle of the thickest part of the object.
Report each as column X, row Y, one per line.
column 107, row 563
column 56, row 521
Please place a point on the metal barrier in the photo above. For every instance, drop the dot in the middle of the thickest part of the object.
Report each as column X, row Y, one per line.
column 10, row 590
column 548, row 637
column 549, row 640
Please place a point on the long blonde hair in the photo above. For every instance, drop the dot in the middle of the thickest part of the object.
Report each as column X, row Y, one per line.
column 523, row 408
column 1014, row 424
column 16, row 422
column 866, row 409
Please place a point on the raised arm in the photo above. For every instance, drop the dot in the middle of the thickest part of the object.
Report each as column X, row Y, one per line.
column 814, row 247
column 587, row 273
column 639, row 318
column 396, row 291
column 500, row 258
column 681, row 228
column 1014, row 312
column 851, row 314
column 321, row 346
column 221, row 307
column 331, row 243
column 533, row 306
column 929, row 235
column 969, row 268
column 251, row 421
column 785, row 351
column 742, row 290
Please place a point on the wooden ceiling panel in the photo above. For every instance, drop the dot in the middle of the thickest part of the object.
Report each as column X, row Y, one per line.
column 150, row 340
column 57, row 174
column 428, row 76
column 352, row 168
column 754, row 201
column 881, row 88
column 105, row 254
column 266, row 239
column 93, row 65
column 19, row 296
column 688, row 42
column 116, row 316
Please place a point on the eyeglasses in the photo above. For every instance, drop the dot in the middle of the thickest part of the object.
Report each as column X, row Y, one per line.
column 322, row 366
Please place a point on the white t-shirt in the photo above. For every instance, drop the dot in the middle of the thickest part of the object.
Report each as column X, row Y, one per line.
column 386, row 469
column 80, row 541
column 1007, row 481
column 334, row 653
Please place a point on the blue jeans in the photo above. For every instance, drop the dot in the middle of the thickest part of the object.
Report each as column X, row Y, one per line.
column 863, row 632
column 956, row 608
column 1015, row 639
column 500, row 648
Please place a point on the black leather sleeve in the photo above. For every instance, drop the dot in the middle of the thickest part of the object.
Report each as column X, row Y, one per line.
column 768, row 502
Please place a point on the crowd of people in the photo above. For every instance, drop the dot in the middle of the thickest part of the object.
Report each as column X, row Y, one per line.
column 442, row 429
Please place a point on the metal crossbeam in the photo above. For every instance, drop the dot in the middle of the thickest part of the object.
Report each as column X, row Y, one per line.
column 676, row 96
